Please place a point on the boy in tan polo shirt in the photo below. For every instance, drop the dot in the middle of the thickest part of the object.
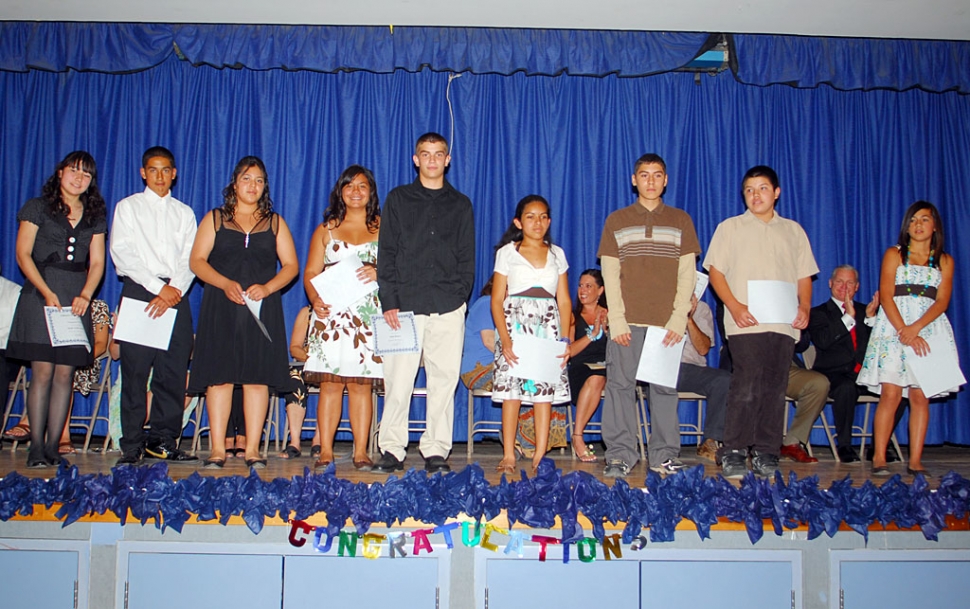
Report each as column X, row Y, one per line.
column 758, row 245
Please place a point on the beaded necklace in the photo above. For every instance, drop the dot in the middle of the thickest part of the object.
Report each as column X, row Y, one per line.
column 926, row 286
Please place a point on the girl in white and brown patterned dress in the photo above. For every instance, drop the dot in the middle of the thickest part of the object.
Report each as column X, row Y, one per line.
column 340, row 344
column 530, row 295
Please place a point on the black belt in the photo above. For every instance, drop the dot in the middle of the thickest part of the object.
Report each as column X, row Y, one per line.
column 908, row 289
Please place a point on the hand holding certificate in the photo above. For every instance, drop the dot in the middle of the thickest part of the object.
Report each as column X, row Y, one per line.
column 254, row 307
column 659, row 364
column 538, row 359
column 393, row 342
column 136, row 325
column 939, row 370
column 65, row 328
column 773, row 302
column 339, row 286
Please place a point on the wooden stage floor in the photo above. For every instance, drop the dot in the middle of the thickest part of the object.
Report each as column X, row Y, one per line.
column 938, row 460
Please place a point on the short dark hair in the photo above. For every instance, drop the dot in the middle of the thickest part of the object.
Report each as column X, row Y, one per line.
column 431, row 138
column 761, row 171
column 155, row 151
column 650, row 157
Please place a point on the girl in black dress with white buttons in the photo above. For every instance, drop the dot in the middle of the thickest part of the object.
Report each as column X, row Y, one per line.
column 60, row 250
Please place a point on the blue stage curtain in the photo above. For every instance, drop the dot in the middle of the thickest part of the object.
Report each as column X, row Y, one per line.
column 478, row 50
column 850, row 161
column 853, row 63
column 129, row 47
column 101, row 47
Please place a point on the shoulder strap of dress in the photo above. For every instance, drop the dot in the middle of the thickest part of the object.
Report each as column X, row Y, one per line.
column 217, row 219
column 274, row 222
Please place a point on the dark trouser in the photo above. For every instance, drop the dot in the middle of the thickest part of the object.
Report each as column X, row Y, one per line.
column 756, row 400
column 845, row 396
column 168, row 369
column 714, row 384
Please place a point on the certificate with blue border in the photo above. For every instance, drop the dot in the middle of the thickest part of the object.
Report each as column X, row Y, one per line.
column 395, row 342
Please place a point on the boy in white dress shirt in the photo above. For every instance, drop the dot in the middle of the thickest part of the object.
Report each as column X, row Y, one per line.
column 151, row 238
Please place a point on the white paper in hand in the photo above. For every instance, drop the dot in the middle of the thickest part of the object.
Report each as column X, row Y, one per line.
column 254, row 307
column 938, row 371
column 773, row 302
column 538, row 358
column 136, row 326
column 339, row 287
column 659, row 364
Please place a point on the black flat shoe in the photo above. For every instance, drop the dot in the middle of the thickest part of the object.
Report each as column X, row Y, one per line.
column 256, row 463
column 37, row 464
column 882, row 472
column 917, row 472
column 213, row 463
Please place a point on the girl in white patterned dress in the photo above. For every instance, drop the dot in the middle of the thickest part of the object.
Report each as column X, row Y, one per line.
column 915, row 284
column 530, row 295
column 340, row 344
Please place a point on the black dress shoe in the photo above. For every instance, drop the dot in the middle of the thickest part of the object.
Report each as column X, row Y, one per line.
column 435, row 464
column 847, row 454
column 388, row 463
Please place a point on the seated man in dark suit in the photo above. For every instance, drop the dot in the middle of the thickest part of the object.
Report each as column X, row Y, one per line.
column 840, row 335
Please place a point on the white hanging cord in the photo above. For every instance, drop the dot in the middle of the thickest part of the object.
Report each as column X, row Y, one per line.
column 451, row 113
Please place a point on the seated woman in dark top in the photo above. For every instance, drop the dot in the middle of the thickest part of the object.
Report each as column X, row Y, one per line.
column 588, row 349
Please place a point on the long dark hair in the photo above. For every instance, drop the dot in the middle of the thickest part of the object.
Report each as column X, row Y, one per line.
column 598, row 278
column 94, row 207
column 936, row 241
column 513, row 232
column 337, row 209
column 265, row 203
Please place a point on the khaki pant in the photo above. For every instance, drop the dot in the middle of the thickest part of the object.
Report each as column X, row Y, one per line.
column 440, row 341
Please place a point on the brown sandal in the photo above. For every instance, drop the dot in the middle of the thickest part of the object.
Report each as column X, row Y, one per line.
column 66, row 448
column 504, row 467
column 18, row 433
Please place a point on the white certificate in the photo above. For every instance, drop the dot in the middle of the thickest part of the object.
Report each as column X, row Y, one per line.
column 136, row 326
column 538, row 358
column 65, row 328
column 936, row 372
column 339, row 286
column 701, row 284
column 393, row 342
column 773, row 302
column 254, row 307
column 659, row 364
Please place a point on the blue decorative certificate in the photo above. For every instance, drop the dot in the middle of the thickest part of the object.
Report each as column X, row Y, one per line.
column 393, row 342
